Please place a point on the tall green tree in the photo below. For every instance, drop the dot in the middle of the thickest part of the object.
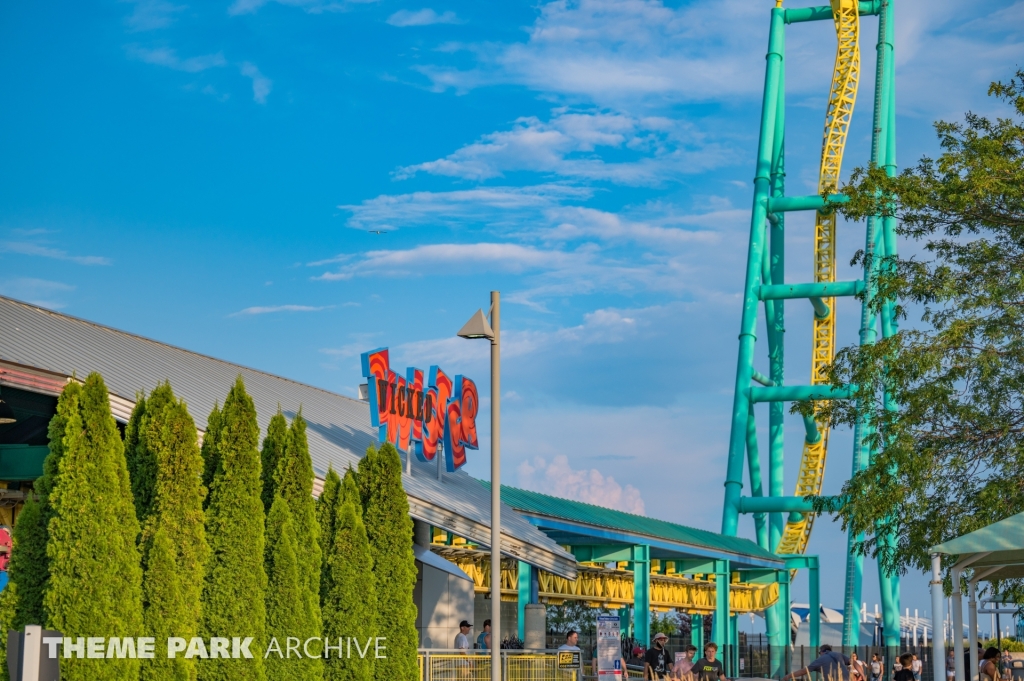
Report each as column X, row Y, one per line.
column 389, row 530
column 141, row 459
column 350, row 608
column 273, row 451
column 294, row 483
column 211, row 450
column 29, row 569
column 326, row 512
column 945, row 399
column 284, row 592
column 95, row 584
column 236, row 582
column 172, row 596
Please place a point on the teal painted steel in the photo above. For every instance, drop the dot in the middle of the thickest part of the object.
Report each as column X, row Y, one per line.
column 758, row 377
column 525, row 595
column 775, row 505
column 800, row 393
column 815, row 290
column 720, row 625
column 814, row 601
column 748, row 325
column 821, row 308
column 802, row 14
column 641, row 568
column 535, row 503
column 789, row 204
column 754, row 463
column 697, row 632
column 811, row 428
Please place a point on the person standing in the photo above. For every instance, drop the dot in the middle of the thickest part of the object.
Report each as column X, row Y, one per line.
column 915, row 666
column 708, row 668
column 987, row 670
column 832, row 665
column 876, row 667
column 480, row 642
column 906, row 668
column 462, row 638
column 857, row 668
column 950, row 666
column 571, row 641
column 656, row 661
column 684, row 663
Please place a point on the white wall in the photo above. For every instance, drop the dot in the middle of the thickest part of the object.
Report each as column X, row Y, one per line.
column 442, row 601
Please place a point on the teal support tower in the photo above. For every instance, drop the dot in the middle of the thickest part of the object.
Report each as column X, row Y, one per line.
column 783, row 521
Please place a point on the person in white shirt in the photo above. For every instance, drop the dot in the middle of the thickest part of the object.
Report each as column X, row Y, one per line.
column 462, row 638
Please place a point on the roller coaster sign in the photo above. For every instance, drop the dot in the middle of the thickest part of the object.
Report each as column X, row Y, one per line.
column 423, row 417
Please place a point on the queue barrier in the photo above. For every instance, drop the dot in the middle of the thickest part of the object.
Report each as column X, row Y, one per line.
column 517, row 665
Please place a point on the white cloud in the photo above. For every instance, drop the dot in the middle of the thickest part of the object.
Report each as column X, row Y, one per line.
column 39, row 292
column 148, row 15
column 558, row 478
column 278, row 308
column 491, row 205
column 261, row 85
column 27, row 248
column 422, row 17
column 568, row 144
column 309, row 6
column 574, row 223
column 168, row 57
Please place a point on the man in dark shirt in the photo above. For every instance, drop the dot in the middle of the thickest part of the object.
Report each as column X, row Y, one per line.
column 833, row 666
column 656, row 662
column 708, row 668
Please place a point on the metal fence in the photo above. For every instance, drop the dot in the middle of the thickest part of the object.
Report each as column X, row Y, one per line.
column 516, row 665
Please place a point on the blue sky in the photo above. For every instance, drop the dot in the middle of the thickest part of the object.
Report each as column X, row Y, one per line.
column 212, row 174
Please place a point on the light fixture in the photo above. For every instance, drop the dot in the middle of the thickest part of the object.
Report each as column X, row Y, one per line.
column 6, row 413
column 477, row 327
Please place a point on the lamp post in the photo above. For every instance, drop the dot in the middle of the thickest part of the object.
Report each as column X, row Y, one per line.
column 477, row 327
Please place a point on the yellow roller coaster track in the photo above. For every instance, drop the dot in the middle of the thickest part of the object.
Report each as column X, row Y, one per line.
column 842, row 96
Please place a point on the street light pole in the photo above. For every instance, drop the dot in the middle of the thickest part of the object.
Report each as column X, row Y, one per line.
column 478, row 327
column 496, row 486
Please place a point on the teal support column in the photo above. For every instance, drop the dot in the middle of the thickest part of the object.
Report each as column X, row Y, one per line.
column 641, row 566
column 697, row 632
column 624, row 629
column 525, row 583
column 748, row 325
column 754, row 464
column 734, row 646
column 720, row 626
column 814, row 601
column 783, row 652
column 863, row 430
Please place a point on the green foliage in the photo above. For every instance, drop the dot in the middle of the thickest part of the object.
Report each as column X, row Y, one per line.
column 236, row 583
column 389, row 530
column 95, row 584
column 138, row 452
column 1004, row 644
column 273, row 451
column 294, row 482
column 284, row 593
column 576, row 615
column 945, row 400
column 8, row 603
column 326, row 513
column 166, row 605
column 211, row 450
column 168, row 434
column 667, row 624
column 350, row 609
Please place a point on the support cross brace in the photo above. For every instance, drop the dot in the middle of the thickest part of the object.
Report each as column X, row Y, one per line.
column 800, row 393
column 824, row 289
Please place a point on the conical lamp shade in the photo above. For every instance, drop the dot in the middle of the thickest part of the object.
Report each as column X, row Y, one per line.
column 477, row 327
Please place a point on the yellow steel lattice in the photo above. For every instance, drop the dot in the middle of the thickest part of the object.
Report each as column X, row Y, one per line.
column 842, row 96
column 611, row 588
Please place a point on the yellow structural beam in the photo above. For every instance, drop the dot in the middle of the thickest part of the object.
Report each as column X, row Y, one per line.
column 610, row 588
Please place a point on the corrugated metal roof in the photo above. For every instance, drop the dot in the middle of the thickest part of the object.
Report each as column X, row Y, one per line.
column 339, row 427
column 535, row 503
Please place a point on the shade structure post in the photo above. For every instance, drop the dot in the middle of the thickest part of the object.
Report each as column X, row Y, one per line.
column 495, row 486
column 958, row 624
column 938, row 647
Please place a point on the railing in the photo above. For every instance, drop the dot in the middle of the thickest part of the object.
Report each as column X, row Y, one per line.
column 516, row 665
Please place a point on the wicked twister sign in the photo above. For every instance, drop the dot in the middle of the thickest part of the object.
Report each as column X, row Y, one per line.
column 423, row 416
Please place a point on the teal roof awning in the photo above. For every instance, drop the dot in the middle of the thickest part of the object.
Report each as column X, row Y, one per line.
column 674, row 539
column 1003, row 542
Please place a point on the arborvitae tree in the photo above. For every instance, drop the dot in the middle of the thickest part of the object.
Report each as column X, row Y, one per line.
column 95, row 584
column 294, row 482
column 236, row 583
column 8, row 603
column 326, row 513
column 350, row 609
column 350, row 489
column 29, row 569
column 138, row 450
column 284, row 593
column 164, row 590
column 211, row 450
column 389, row 530
column 272, row 453
column 169, row 434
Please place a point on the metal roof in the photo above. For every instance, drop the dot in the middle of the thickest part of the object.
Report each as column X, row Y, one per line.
column 583, row 523
column 1001, row 545
column 339, row 427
